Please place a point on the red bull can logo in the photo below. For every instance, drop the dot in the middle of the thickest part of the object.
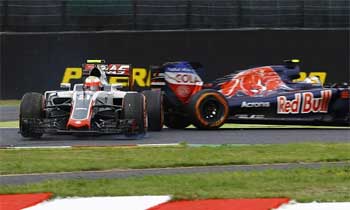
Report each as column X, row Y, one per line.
column 304, row 103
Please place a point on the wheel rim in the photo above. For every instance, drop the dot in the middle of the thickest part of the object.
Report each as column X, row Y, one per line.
column 211, row 110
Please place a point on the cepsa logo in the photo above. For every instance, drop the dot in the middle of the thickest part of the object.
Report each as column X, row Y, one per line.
column 187, row 78
column 182, row 78
column 141, row 77
column 304, row 103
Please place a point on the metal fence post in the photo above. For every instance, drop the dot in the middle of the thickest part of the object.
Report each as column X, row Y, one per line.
column 239, row 14
column 135, row 14
column 302, row 13
column 63, row 15
column 5, row 16
column 188, row 14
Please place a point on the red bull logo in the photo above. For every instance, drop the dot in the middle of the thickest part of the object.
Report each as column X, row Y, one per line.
column 252, row 82
column 304, row 103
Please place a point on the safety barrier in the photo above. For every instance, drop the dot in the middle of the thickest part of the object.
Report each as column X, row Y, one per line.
column 38, row 61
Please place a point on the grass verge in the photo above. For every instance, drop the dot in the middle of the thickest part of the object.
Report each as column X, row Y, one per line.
column 10, row 102
column 86, row 158
column 304, row 185
column 9, row 124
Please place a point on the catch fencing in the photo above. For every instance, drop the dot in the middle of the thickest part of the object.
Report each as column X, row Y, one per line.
column 38, row 61
column 96, row 15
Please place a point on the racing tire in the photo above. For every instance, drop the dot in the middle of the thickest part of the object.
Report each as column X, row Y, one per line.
column 208, row 109
column 176, row 121
column 155, row 111
column 134, row 107
column 30, row 111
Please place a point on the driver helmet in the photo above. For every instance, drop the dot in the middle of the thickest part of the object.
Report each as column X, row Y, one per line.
column 312, row 80
column 92, row 83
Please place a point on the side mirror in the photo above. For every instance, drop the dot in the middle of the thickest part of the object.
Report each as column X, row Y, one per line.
column 65, row 85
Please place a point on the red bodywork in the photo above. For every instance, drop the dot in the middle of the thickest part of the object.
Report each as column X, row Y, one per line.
column 252, row 82
column 81, row 101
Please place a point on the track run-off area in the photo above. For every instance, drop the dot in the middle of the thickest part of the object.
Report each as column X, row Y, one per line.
column 9, row 137
column 231, row 134
column 236, row 134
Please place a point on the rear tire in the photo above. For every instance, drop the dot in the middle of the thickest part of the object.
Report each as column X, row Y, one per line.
column 176, row 121
column 208, row 109
column 134, row 107
column 155, row 111
column 31, row 110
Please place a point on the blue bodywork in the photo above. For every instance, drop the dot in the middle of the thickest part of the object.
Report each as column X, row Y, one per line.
column 268, row 94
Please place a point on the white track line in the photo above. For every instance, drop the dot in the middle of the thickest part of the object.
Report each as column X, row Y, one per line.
column 105, row 203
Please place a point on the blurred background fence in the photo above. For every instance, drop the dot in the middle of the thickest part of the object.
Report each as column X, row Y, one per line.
column 95, row 15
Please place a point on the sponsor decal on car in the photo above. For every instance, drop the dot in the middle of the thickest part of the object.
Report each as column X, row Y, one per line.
column 251, row 116
column 176, row 69
column 114, row 69
column 253, row 82
column 304, row 103
column 182, row 78
column 183, row 84
column 254, row 104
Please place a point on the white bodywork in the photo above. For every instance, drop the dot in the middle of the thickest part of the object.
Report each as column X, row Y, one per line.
column 114, row 93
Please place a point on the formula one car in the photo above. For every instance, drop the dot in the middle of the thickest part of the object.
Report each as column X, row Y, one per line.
column 263, row 94
column 94, row 107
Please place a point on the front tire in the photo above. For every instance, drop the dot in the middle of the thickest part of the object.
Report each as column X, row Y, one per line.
column 208, row 109
column 155, row 111
column 134, row 107
column 31, row 111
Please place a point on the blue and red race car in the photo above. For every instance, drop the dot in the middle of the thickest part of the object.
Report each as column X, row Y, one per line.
column 265, row 94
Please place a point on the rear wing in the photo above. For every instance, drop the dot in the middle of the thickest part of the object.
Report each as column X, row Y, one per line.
column 157, row 76
column 110, row 73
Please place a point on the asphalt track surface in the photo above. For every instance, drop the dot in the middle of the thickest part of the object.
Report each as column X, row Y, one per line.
column 9, row 113
column 18, row 179
column 10, row 137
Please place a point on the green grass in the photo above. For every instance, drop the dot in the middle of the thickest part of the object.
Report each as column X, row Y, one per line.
column 9, row 124
column 304, row 185
column 83, row 159
column 10, row 102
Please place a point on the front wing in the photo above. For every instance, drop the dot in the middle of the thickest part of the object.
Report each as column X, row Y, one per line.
column 49, row 126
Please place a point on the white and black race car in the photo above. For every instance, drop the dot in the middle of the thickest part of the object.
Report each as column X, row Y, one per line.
column 94, row 107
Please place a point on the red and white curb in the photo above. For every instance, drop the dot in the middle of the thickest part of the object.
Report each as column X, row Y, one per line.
column 39, row 201
column 161, row 203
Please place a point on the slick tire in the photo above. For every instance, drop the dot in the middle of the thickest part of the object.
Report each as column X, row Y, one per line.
column 175, row 121
column 31, row 109
column 208, row 109
column 155, row 111
column 134, row 107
